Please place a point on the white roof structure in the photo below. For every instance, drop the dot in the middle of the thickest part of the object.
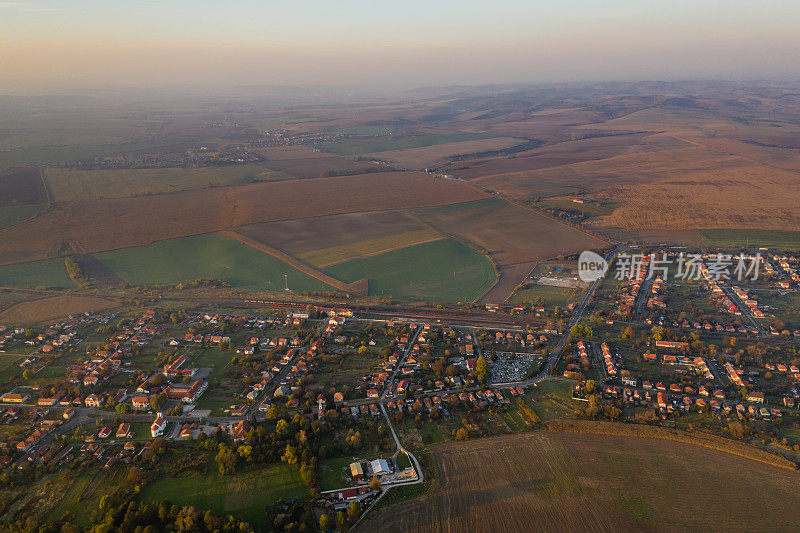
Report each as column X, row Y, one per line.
column 380, row 466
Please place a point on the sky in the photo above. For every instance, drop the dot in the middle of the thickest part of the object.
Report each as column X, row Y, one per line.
column 50, row 44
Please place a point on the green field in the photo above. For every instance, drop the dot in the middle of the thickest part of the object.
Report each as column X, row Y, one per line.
column 551, row 296
column 461, row 206
column 384, row 144
column 331, row 474
column 244, row 495
column 72, row 185
column 209, row 256
column 12, row 214
column 592, row 208
column 735, row 238
column 45, row 273
column 365, row 130
column 445, row 271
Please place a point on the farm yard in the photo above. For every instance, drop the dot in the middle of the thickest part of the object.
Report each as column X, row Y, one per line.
column 69, row 185
column 209, row 256
column 555, row 481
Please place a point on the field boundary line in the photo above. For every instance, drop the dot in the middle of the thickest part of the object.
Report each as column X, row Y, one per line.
column 290, row 260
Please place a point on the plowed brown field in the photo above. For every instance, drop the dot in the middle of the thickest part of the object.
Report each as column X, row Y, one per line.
column 579, row 482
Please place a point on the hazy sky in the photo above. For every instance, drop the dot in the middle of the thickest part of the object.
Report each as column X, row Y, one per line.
column 51, row 43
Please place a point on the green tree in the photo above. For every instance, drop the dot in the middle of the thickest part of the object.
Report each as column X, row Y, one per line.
column 353, row 510
column 324, row 522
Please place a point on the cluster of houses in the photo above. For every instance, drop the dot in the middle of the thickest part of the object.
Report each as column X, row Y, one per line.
column 629, row 292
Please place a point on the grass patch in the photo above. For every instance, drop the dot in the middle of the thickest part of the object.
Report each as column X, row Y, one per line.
column 384, row 144
column 402, row 493
column 551, row 295
column 209, row 256
column 70, row 185
column 736, row 238
column 445, row 270
column 45, row 273
column 244, row 495
column 13, row 214
column 331, row 473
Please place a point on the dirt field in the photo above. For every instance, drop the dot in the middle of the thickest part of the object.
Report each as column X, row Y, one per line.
column 511, row 234
column 578, row 482
column 510, row 277
column 22, row 186
column 427, row 156
column 43, row 309
column 305, row 235
column 87, row 227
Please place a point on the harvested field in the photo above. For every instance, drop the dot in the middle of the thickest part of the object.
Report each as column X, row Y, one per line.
column 22, row 186
column 445, row 270
column 744, row 195
column 211, row 256
column 43, row 309
column 94, row 226
column 569, row 482
column 428, row 156
column 70, row 185
column 509, row 233
column 305, row 162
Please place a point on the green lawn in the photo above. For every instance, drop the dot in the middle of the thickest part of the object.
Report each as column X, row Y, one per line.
column 244, row 495
column 71, row 185
column 735, row 238
column 446, row 270
column 209, row 256
column 46, row 273
column 330, row 473
column 12, row 214
column 384, row 144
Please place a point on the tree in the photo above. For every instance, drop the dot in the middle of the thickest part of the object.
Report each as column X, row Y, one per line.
column 590, row 385
column 282, row 427
column 158, row 401
column 290, row 455
column 324, row 522
column 353, row 510
column 481, row 369
column 341, row 521
column 272, row 412
column 462, row 434
column 375, row 483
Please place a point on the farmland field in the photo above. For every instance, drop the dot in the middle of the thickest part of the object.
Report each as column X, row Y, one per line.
column 563, row 481
column 426, row 156
column 510, row 233
column 551, row 296
column 244, row 495
column 99, row 225
column 22, row 186
column 305, row 162
column 385, row 144
column 56, row 307
column 445, row 270
column 13, row 214
column 208, row 256
column 46, row 273
column 74, row 185
column 785, row 240
column 308, row 235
